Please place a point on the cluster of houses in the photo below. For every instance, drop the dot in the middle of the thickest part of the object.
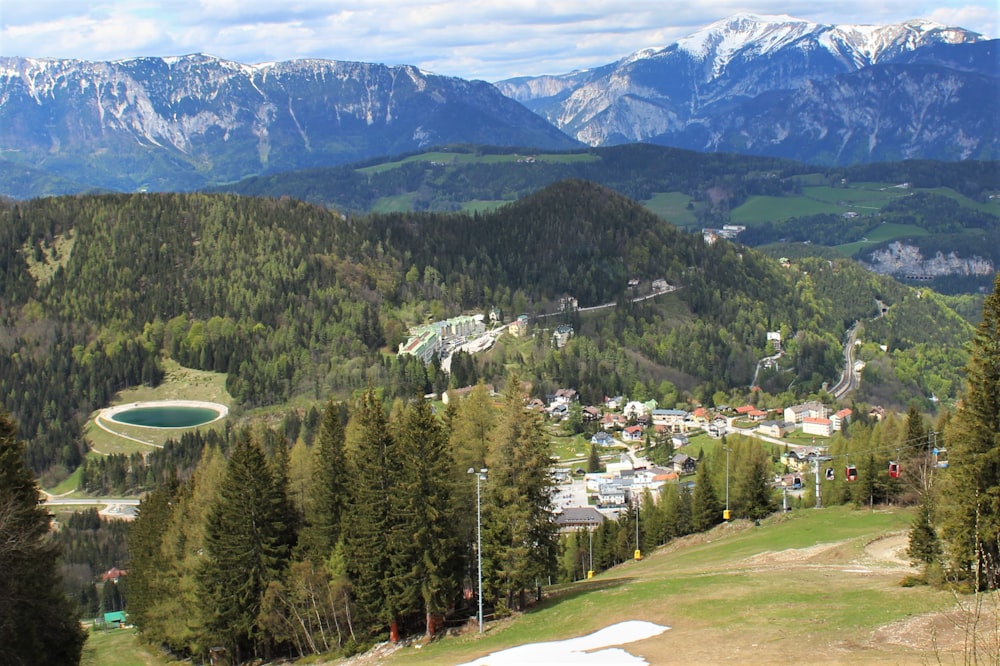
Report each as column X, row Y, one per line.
column 632, row 420
column 622, row 483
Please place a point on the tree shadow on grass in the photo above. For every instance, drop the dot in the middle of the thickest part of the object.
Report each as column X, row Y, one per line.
column 563, row 593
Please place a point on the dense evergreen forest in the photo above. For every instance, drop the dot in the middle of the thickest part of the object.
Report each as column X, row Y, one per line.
column 289, row 299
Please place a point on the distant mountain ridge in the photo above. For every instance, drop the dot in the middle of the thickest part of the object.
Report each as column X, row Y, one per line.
column 780, row 86
column 186, row 122
column 761, row 85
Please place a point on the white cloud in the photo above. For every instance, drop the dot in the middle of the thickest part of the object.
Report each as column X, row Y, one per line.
column 488, row 39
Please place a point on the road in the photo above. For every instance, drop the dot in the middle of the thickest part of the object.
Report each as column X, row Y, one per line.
column 114, row 507
column 849, row 378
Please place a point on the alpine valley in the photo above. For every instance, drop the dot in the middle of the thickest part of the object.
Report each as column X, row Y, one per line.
column 723, row 265
column 764, row 85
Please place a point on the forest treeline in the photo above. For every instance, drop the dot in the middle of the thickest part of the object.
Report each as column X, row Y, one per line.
column 289, row 299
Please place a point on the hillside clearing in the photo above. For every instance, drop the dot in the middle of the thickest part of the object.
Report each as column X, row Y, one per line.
column 817, row 585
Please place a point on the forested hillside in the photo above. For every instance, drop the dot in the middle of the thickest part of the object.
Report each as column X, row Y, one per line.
column 289, row 299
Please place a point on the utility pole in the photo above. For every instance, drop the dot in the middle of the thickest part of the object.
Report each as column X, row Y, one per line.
column 480, row 476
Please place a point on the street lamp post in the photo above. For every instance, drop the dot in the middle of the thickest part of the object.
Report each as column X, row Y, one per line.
column 638, row 551
column 590, row 572
column 726, row 514
column 480, row 476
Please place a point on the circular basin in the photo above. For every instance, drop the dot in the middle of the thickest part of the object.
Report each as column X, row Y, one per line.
column 166, row 413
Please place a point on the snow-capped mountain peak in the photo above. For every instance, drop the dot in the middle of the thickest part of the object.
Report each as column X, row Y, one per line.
column 721, row 40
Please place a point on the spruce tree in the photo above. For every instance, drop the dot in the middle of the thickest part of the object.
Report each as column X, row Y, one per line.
column 246, row 547
column 422, row 541
column 594, row 460
column 147, row 561
column 365, row 524
column 972, row 499
column 520, row 539
column 37, row 624
column 924, row 547
column 706, row 511
column 751, row 494
column 327, row 493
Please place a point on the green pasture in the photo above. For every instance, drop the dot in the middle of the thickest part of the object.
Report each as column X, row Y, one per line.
column 887, row 231
column 456, row 158
column 484, row 206
column 673, row 207
column 118, row 647
column 991, row 206
column 861, row 198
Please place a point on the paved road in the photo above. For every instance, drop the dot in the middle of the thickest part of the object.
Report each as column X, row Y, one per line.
column 849, row 378
column 114, row 507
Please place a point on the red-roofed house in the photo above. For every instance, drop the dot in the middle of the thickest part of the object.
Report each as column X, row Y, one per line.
column 745, row 409
column 632, row 433
column 840, row 418
column 812, row 425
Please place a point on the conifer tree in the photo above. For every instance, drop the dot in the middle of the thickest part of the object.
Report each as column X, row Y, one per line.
column 327, row 493
column 972, row 525
column 751, row 493
column 705, row 509
column 423, row 543
column 246, row 547
column 520, row 539
column 37, row 625
column 924, row 547
column 594, row 460
column 147, row 562
column 372, row 470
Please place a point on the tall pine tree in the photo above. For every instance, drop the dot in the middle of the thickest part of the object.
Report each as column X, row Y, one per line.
column 423, row 540
column 519, row 533
column 365, row 525
column 247, row 545
column 327, row 493
column 705, row 509
column 37, row 625
column 972, row 498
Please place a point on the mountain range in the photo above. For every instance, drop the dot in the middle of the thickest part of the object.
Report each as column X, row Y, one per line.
column 784, row 87
column 765, row 85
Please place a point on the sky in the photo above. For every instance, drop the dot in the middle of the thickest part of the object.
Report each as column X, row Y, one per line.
column 472, row 39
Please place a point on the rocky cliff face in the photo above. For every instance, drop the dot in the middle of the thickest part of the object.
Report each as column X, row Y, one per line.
column 179, row 123
column 903, row 260
column 780, row 86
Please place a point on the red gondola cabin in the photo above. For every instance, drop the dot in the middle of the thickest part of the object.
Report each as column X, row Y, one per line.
column 851, row 473
column 893, row 470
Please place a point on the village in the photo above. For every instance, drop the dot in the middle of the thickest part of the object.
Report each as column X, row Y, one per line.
column 623, row 430
column 626, row 428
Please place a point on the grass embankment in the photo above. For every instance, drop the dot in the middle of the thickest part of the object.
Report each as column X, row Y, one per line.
column 118, row 647
column 179, row 384
column 801, row 586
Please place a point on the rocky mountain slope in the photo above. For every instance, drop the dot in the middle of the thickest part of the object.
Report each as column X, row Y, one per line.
column 182, row 123
column 775, row 85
